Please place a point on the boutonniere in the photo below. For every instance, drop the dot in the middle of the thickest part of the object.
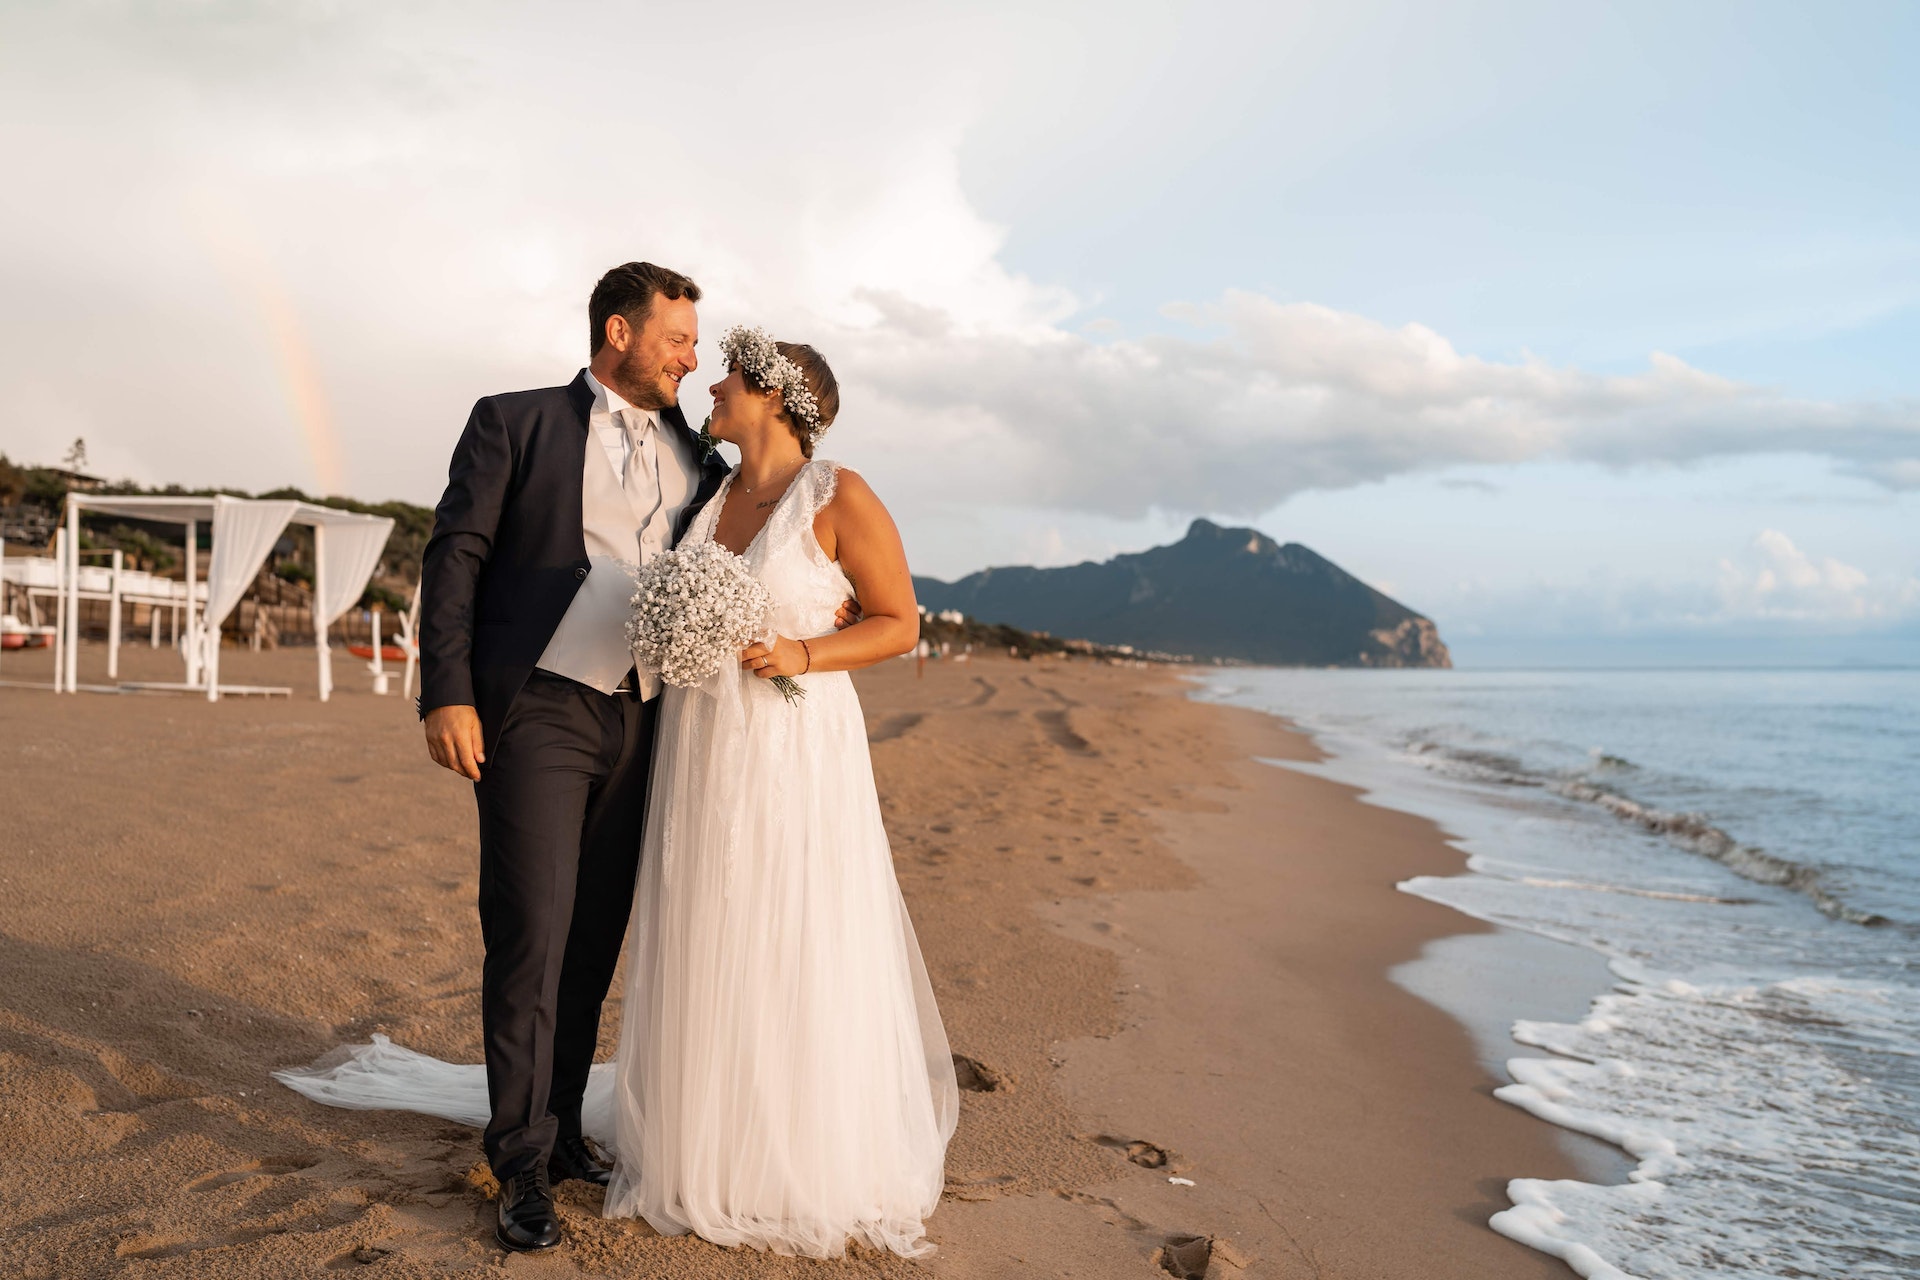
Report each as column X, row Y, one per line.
column 708, row 445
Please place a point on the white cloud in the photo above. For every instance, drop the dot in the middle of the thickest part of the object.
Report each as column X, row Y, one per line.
column 431, row 190
column 1777, row 581
column 1770, row 587
column 1265, row 399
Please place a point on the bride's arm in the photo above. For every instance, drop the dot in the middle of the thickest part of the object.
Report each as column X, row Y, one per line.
column 856, row 530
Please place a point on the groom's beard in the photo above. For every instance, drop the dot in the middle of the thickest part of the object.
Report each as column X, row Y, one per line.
column 642, row 385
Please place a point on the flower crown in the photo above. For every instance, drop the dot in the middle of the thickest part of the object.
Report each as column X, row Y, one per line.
column 753, row 352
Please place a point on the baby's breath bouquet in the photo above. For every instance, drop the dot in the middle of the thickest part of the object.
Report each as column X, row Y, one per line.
column 694, row 609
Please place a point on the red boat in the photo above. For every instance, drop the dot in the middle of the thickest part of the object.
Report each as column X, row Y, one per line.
column 15, row 634
column 388, row 652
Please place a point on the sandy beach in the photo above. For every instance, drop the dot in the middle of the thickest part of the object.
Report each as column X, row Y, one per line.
column 1167, row 959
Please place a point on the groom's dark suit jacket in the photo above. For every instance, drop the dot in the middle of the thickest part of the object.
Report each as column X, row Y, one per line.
column 508, row 549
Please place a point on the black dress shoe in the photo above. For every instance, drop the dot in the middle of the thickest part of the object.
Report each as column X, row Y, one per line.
column 574, row 1158
column 527, row 1219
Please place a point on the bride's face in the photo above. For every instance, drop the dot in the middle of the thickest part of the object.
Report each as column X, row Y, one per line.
column 738, row 410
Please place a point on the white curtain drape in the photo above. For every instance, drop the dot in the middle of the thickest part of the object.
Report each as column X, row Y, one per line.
column 353, row 553
column 244, row 531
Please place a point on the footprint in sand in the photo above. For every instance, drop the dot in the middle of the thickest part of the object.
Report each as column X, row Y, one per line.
column 1179, row 1253
column 1061, row 733
column 1185, row 1256
column 894, row 726
column 1059, row 697
column 365, row 1256
column 1148, row 1155
column 979, row 1186
column 227, row 1177
column 975, row 1076
column 155, row 1248
column 1111, row 1213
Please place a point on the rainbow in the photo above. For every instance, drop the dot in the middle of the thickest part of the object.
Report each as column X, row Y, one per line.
column 250, row 274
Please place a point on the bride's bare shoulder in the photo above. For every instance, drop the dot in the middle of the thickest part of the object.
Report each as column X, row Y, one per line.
column 853, row 515
column 848, row 496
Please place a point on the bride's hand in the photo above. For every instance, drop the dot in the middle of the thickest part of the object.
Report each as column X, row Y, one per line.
column 785, row 658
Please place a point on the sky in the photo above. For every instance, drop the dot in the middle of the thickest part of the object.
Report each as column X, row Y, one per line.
column 1585, row 330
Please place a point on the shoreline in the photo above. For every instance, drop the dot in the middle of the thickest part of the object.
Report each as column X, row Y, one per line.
column 1344, row 1123
column 1168, row 959
column 1486, row 981
column 1489, row 976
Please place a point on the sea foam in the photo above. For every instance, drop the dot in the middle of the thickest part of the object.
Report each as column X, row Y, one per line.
column 1760, row 1154
column 1759, row 1055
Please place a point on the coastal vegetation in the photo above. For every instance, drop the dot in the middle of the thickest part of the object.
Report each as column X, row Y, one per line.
column 31, row 499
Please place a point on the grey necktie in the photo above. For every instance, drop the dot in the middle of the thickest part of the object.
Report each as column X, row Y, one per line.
column 641, row 479
column 643, row 464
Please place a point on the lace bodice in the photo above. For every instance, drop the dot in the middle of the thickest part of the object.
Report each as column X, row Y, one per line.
column 785, row 556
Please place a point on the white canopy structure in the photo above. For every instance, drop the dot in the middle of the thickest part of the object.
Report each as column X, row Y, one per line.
column 346, row 550
column 37, row 578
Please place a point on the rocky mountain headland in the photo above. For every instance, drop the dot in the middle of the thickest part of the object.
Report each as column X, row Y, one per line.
column 1218, row 593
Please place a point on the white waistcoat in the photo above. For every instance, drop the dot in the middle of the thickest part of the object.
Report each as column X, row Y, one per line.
column 622, row 528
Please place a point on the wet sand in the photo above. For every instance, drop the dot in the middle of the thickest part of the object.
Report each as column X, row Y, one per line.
column 1168, row 960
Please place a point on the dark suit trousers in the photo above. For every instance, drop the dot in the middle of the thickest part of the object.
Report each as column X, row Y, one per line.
column 562, row 804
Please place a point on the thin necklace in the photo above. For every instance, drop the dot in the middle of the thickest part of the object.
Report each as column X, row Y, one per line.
column 749, row 488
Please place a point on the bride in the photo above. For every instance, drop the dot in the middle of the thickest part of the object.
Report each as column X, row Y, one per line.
column 782, row 1080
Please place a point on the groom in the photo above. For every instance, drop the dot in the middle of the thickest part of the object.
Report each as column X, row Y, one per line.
column 529, row 689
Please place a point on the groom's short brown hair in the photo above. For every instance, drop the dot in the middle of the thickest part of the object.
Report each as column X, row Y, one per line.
column 629, row 290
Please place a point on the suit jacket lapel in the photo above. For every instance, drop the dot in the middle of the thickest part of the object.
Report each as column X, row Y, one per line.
column 572, row 453
column 713, row 469
column 580, row 396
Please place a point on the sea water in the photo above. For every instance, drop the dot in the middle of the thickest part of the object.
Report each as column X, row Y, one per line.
column 1744, row 848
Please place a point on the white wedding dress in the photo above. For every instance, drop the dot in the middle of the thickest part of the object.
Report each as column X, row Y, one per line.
column 783, row 1079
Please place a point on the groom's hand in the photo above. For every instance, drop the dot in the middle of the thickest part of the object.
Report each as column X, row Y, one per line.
column 846, row 615
column 453, row 740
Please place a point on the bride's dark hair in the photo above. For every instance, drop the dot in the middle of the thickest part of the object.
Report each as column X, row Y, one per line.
column 820, row 381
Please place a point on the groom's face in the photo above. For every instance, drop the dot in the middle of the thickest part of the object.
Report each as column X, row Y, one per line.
column 658, row 356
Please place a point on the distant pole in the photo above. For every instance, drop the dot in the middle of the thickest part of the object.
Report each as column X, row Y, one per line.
column 319, row 596
column 73, row 593
column 378, row 664
column 113, row 617
column 192, row 649
column 211, row 639
column 59, row 606
column 409, row 628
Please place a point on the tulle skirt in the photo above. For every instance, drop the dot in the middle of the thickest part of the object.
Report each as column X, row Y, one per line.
column 783, row 1079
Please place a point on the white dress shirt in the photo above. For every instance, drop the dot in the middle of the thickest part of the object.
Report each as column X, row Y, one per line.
column 604, row 419
column 629, row 507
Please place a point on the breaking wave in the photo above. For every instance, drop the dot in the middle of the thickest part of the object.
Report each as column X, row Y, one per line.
column 1690, row 831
